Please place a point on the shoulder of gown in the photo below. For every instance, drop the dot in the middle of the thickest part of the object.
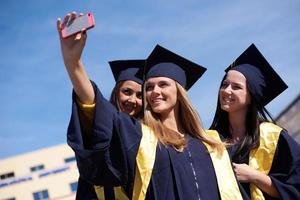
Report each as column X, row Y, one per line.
column 285, row 170
column 110, row 159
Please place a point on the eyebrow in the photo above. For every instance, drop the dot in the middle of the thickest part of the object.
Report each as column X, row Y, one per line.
column 161, row 81
column 149, row 83
column 234, row 83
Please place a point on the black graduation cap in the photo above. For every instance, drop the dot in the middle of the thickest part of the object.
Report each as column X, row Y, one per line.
column 163, row 62
column 124, row 70
column 264, row 83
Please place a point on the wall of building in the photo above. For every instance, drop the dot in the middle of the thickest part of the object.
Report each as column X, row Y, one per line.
column 52, row 169
column 289, row 118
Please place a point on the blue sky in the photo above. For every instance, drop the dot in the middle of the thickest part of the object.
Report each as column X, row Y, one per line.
column 35, row 101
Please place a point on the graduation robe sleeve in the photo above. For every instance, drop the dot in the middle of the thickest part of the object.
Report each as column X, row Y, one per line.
column 85, row 190
column 109, row 158
column 285, row 170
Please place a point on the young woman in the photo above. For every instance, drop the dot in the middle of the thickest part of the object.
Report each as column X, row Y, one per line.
column 126, row 97
column 127, row 93
column 266, row 159
column 168, row 156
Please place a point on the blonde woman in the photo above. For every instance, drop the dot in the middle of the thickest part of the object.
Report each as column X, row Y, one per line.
column 168, row 156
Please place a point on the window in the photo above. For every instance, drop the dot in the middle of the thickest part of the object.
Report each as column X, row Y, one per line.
column 41, row 195
column 37, row 168
column 74, row 186
column 70, row 159
column 7, row 175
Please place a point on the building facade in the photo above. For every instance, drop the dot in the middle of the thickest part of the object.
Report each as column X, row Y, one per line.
column 289, row 118
column 49, row 173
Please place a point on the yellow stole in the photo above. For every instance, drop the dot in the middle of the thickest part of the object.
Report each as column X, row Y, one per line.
column 100, row 192
column 119, row 193
column 226, row 180
column 262, row 157
column 227, row 183
column 144, row 163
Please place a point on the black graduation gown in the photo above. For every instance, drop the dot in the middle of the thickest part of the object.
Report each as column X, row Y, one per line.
column 85, row 190
column 285, row 169
column 173, row 178
column 110, row 159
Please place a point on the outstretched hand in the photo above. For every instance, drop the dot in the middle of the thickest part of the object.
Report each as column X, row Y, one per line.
column 72, row 46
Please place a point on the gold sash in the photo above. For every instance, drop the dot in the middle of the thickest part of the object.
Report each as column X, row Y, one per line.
column 227, row 183
column 99, row 191
column 144, row 163
column 144, row 166
column 119, row 193
column 262, row 157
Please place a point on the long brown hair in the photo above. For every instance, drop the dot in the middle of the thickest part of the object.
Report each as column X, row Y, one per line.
column 190, row 122
column 115, row 95
column 256, row 114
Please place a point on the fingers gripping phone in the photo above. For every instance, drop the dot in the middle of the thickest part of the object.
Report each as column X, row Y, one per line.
column 77, row 25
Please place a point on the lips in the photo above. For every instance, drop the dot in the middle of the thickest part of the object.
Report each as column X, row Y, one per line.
column 157, row 100
column 227, row 99
column 129, row 106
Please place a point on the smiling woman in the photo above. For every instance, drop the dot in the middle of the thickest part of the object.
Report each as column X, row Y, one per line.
column 166, row 154
column 265, row 157
column 127, row 93
column 126, row 97
column 234, row 95
column 170, row 140
column 130, row 98
column 161, row 94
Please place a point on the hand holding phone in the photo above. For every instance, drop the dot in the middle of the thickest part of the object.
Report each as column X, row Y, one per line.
column 78, row 24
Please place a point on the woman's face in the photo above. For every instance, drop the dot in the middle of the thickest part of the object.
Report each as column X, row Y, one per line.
column 130, row 98
column 234, row 95
column 161, row 94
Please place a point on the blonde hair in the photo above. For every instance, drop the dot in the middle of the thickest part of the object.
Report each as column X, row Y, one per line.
column 190, row 122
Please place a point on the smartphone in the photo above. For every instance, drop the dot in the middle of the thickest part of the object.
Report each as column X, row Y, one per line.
column 83, row 22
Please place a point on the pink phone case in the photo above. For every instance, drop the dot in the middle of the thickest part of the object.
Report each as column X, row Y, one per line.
column 83, row 22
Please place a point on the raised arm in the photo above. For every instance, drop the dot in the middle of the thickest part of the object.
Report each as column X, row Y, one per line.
column 72, row 48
